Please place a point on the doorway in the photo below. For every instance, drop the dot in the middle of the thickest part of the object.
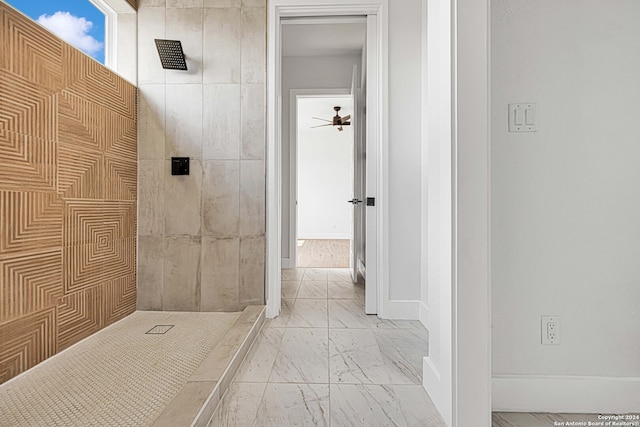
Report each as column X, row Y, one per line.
column 323, row 209
column 314, row 65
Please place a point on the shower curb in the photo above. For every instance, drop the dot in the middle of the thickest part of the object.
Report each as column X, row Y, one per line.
column 196, row 402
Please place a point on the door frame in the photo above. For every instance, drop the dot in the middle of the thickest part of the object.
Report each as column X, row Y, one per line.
column 276, row 10
column 294, row 94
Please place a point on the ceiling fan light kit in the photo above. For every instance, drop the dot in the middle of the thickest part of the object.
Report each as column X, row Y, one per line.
column 337, row 120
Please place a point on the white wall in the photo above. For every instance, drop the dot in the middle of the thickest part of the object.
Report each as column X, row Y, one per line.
column 306, row 72
column 325, row 177
column 566, row 204
column 405, row 116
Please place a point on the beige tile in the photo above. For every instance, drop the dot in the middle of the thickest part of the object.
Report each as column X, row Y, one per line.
column 254, row 3
column 282, row 319
column 253, row 121
column 294, row 404
column 150, row 265
column 151, row 121
column 151, row 25
column 292, row 274
column 303, row 357
column 121, row 376
column 222, row 31
column 346, row 290
column 182, row 200
column 339, row 275
column 221, row 198
column 253, row 59
column 151, row 197
column 252, row 255
column 186, row 24
column 214, row 365
column 349, row 314
column 184, row 121
column 289, row 289
column 127, row 25
column 316, row 274
column 184, row 3
column 253, row 314
column 313, row 290
column 184, row 408
column 222, row 3
column 252, row 198
column 182, row 273
column 239, row 406
column 379, row 405
column 220, row 273
column 221, row 122
column 308, row 313
column 257, row 366
column 150, row 3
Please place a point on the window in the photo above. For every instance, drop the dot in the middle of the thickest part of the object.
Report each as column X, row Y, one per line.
column 79, row 23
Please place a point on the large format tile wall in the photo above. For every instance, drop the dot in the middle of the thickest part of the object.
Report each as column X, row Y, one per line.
column 67, row 195
column 202, row 236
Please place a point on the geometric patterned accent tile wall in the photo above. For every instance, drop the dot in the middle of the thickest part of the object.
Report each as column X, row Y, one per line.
column 68, row 195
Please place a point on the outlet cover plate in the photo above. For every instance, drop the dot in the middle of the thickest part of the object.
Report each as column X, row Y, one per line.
column 550, row 330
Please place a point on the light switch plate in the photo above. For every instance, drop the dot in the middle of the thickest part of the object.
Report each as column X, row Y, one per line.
column 523, row 117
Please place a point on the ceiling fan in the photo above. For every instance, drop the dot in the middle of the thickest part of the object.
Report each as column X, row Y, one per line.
column 337, row 120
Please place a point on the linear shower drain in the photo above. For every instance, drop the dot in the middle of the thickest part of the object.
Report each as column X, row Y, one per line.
column 159, row 329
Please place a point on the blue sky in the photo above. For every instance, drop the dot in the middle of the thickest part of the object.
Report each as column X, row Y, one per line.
column 77, row 21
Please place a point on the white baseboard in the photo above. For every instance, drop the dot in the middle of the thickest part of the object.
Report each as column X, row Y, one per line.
column 287, row 263
column 401, row 309
column 362, row 269
column 324, row 236
column 565, row 394
column 438, row 391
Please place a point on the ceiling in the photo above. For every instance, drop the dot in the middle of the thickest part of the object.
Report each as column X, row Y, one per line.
column 323, row 39
column 323, row 108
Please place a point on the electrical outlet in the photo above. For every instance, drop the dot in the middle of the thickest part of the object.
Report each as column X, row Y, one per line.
column 550, row 330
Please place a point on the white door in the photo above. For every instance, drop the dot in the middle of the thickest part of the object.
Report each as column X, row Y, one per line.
column 357, row 198
column 371, row 116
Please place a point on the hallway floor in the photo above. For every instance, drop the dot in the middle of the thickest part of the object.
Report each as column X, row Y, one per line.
column 323, row 253
column 324, row 362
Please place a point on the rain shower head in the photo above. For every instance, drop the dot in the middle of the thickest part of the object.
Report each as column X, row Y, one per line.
column 171, row 54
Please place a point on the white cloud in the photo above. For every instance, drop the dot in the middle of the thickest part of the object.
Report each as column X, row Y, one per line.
column 73, row 30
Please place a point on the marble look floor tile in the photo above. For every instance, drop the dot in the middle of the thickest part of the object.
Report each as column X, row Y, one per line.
column 292, row 273
column 289, row 289
column 308, row 313
column 294, row 405
column 339, row 275
column 403, row 351
column 345, row 290
column 313, row 289
column 239, row 406
column 303, row 357
column 349, row 314
column 354, row 357
column 521, row 419
column 259, row 361
column 282, row 319
column 377, row 405
column 316, row 274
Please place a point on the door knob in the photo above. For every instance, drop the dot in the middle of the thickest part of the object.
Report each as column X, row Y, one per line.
column 354, row 201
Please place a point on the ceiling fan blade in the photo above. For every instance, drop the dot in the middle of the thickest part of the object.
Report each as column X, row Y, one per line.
column 346, row 123
column 318, row 118
column 346, row 118
column 319, row 126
